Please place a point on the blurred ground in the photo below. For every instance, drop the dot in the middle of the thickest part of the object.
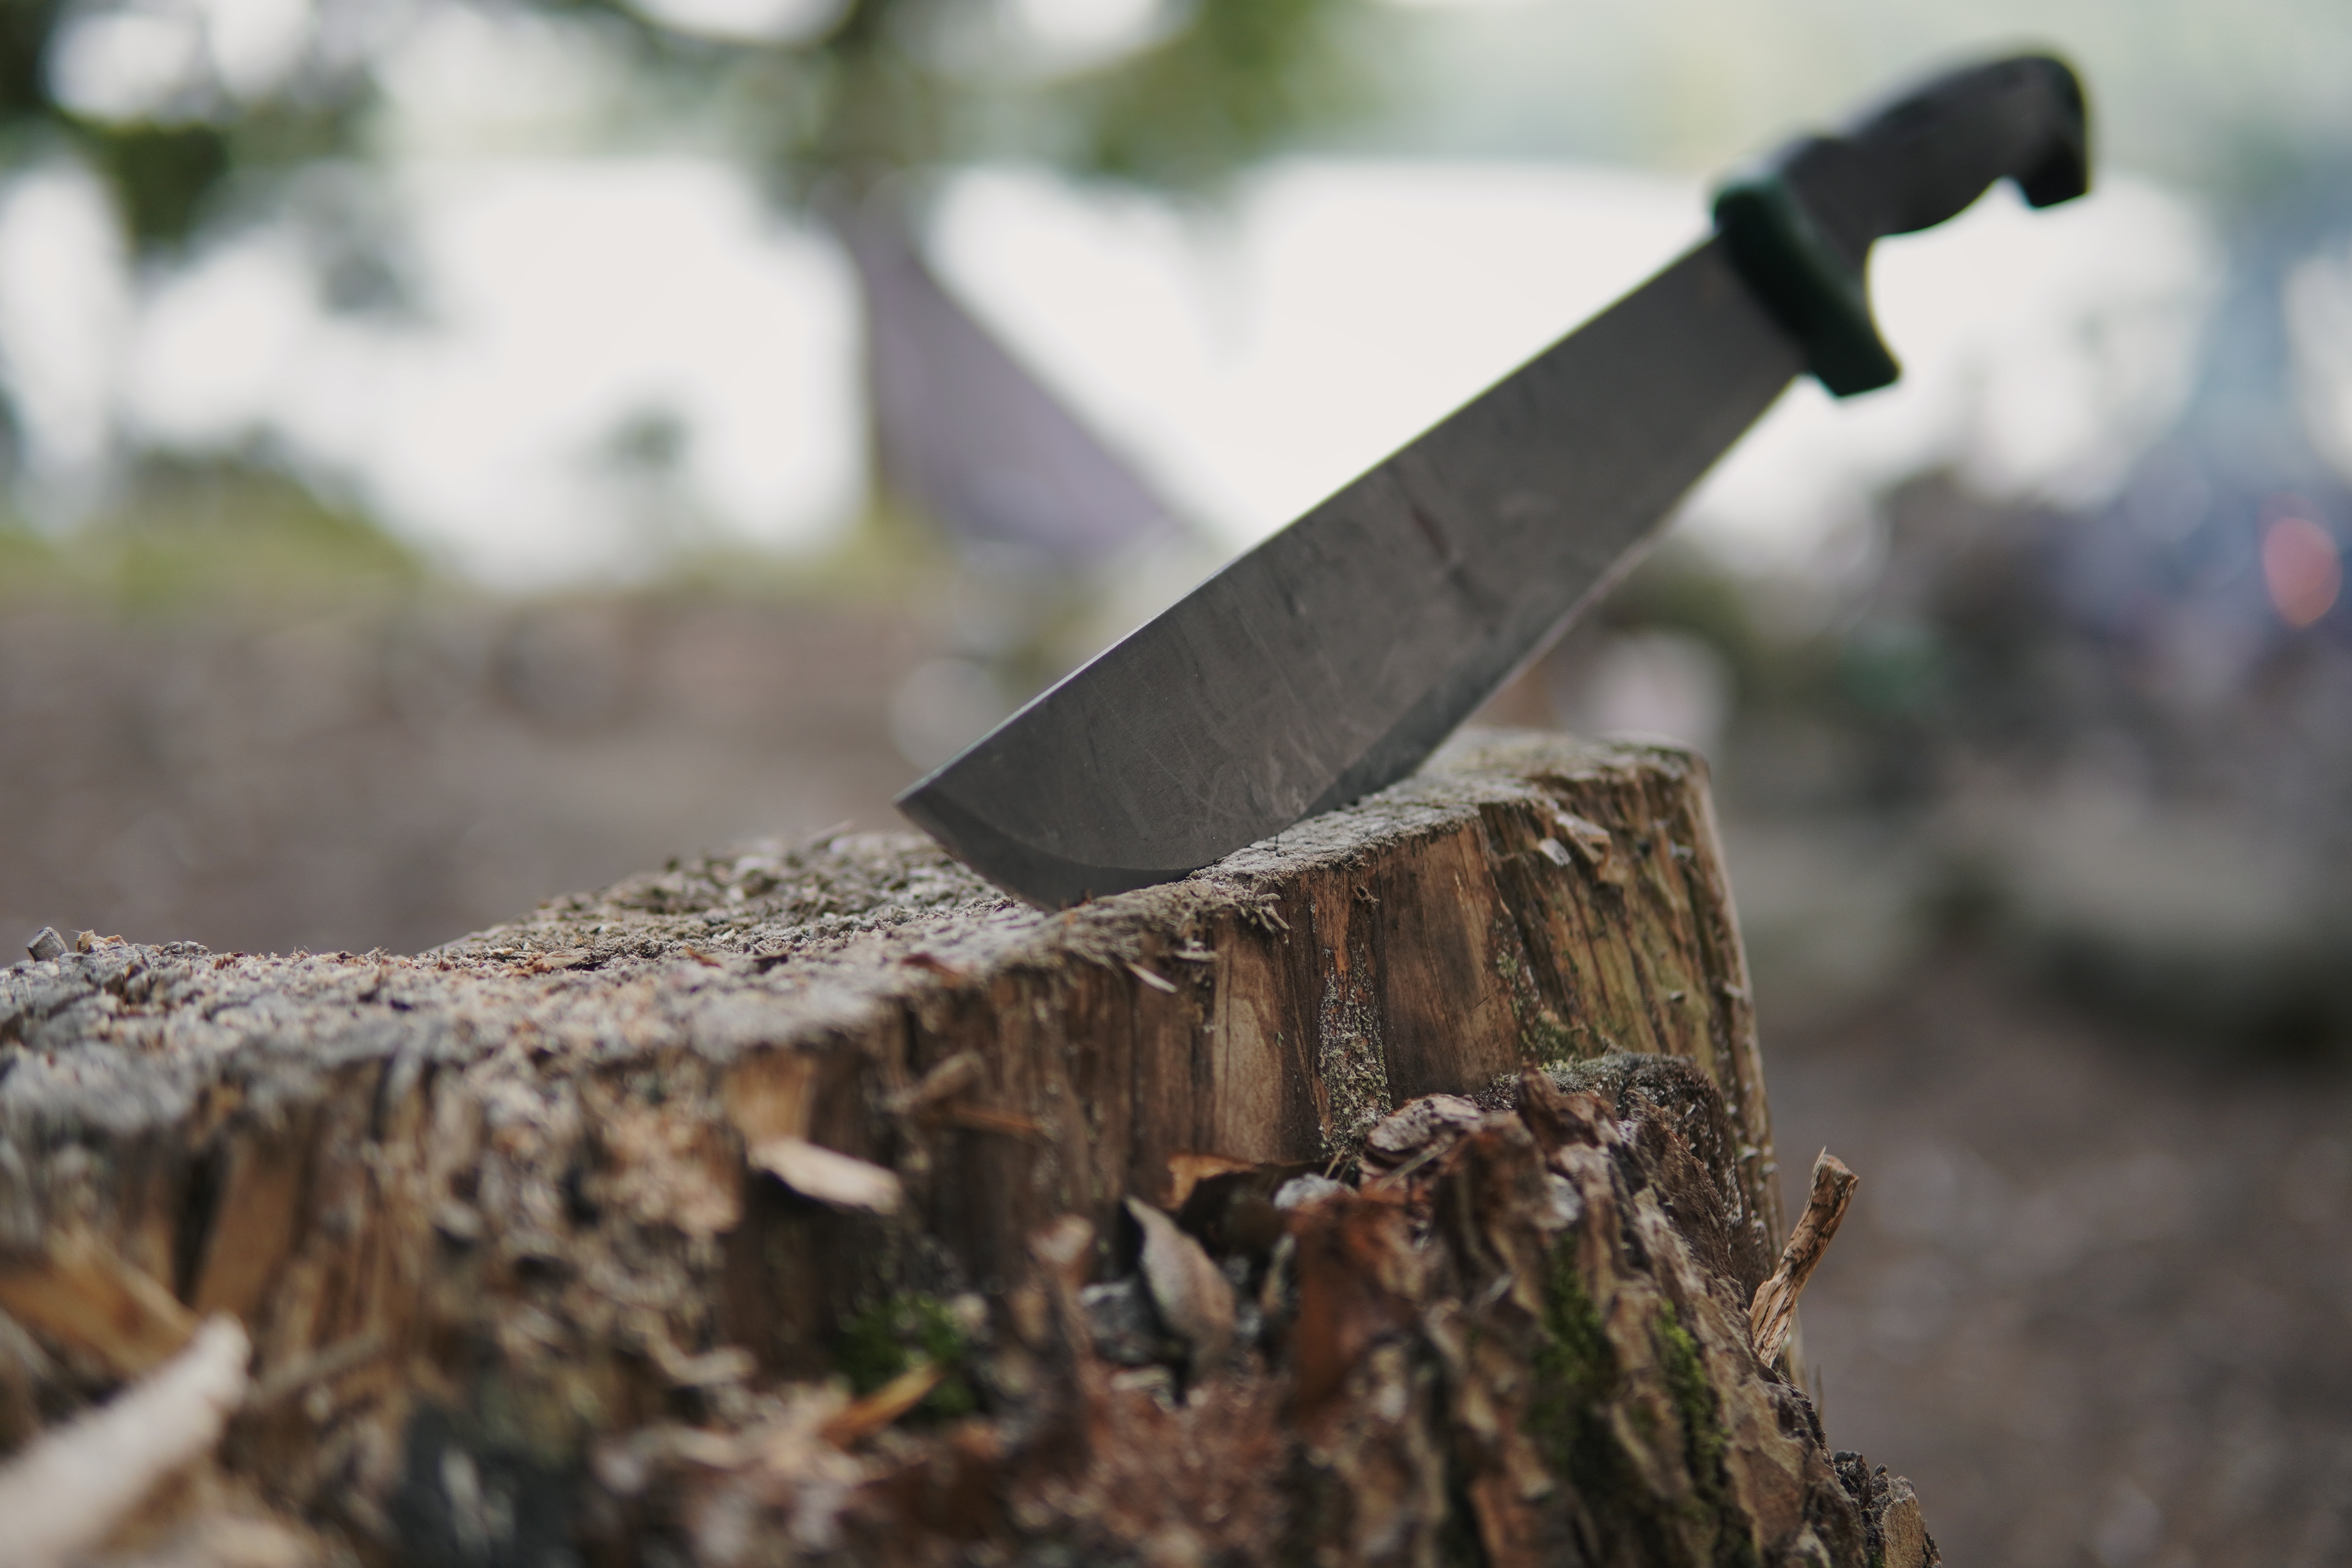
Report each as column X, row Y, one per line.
column 393, row 776
column 2094, row 1295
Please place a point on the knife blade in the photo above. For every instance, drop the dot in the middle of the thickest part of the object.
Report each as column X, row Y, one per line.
column 1332, row 658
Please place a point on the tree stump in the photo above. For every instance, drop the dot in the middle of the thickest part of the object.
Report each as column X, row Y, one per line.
column 1393, row 1192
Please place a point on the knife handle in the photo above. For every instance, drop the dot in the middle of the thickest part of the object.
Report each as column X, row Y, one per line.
column 1799, row 225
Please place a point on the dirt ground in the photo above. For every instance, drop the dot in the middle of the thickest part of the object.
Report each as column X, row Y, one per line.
column 2093, row 1298
column 394, row 776
column 2095, row 1295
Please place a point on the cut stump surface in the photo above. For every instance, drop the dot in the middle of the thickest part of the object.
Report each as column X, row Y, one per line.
column 1391, row 1191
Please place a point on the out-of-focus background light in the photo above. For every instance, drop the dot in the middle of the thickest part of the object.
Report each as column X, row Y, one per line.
column 461, row 450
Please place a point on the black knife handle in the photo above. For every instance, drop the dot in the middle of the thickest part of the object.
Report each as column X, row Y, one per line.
column 1799, row 225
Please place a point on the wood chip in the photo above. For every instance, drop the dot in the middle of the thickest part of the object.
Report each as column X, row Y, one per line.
column 321, row 1366
column 986, row 1118
column 933, row 964
column 711, row 1369
column 945, row 1081
column 1595, row 846
column 862, row 1418
column 1187, row 1169
column 67, row 1493
column 1586, row 835
column 841, row 1181
column 1157, row 981
column 1066, row 1249
column 1774, row 1308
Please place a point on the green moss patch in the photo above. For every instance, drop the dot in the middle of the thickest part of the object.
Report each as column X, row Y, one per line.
column 896, row 1335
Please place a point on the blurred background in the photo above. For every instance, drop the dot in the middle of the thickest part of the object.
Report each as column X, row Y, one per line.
column 456, row 453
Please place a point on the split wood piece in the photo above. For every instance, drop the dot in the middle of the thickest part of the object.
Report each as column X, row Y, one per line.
column 521, row 1170
column 75, row 1289
column 73, row 1486
column 1773, row 1312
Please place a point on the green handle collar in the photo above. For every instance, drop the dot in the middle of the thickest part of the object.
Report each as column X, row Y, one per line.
column 1780, row 252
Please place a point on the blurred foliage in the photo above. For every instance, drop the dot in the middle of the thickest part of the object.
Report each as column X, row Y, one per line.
column 26, row 26
column 895, row 84
column 161, row 176
column 213, row 532
column 164, row 167
column 889, row 85
column 1682, row 588
column 1241, row 76
column 831, row 117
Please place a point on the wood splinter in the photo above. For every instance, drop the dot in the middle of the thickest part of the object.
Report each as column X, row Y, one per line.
column 1774, row 1310
column 63, row 1493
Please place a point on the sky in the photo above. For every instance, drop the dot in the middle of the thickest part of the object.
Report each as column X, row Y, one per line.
column 564, row 299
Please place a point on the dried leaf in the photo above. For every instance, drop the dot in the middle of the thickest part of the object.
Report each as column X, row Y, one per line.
column 1417, row 1130
column 711, row 1369
column 842, row 1180
column 1194, row 1298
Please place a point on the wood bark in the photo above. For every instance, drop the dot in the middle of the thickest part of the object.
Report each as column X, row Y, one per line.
column 1394, row 1191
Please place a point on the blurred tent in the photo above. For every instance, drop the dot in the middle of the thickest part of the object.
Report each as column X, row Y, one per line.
column 968, row 433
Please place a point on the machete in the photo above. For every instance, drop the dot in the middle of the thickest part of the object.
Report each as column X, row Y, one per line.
column 1331, row 659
